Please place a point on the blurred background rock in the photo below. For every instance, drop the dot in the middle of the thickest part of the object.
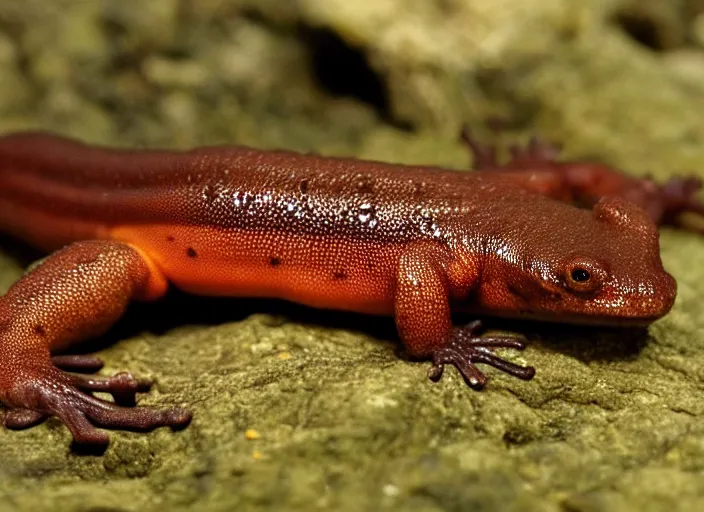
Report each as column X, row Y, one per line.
column 345, row 425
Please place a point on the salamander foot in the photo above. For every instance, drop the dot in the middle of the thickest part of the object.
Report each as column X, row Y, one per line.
column 33, row 394
column 466, row 348
column 537, row 153
column 679, row 195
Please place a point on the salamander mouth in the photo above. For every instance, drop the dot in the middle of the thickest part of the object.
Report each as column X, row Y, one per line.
column 621, row 317
column 581, row 319
column 615, row 304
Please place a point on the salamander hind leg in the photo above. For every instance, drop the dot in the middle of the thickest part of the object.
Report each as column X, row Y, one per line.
column 535, row 167
column 423, row 319
column 76, row 293
column 537, row 153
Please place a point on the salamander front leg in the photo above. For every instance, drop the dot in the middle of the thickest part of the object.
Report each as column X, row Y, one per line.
column 422, row 312
column 76, row 293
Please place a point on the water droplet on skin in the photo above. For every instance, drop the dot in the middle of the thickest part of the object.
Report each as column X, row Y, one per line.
column 425, row 221
column 240, row 199
column 366, row 213
column 424, row 215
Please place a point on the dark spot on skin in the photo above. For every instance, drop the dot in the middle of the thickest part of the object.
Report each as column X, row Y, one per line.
column 39, row 329
column 191, row 252
column 170, row 238
column 209, row 193
column 339, row 275
column 365, row 185
column 303, row 186
column 274, row 261
column 418, row 189
column 370, row 265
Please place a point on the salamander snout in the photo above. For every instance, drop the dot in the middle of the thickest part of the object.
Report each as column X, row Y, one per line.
column 639, row 288
column 651, row 299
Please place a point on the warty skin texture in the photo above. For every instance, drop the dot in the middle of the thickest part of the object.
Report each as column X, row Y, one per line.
column 413, row 242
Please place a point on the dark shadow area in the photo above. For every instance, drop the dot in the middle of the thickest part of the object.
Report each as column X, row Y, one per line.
column 179, row 309
column 343, row 70
column 24, row 254
column 85, row 450
column 584, row 343
column 641, row 28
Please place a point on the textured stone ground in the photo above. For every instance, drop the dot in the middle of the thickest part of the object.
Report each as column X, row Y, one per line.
column 611, row 422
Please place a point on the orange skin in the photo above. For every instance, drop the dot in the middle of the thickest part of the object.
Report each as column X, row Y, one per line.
column 413, row 242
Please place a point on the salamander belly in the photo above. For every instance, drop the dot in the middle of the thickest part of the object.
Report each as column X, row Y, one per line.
column 318, row 271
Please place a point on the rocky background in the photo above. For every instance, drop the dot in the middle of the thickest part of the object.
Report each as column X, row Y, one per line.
column 298, row 409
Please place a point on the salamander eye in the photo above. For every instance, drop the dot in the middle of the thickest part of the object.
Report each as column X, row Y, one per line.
column 584, row 275
column 580, row 275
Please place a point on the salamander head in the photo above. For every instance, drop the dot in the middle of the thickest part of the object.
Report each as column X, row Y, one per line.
column 571, row 265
